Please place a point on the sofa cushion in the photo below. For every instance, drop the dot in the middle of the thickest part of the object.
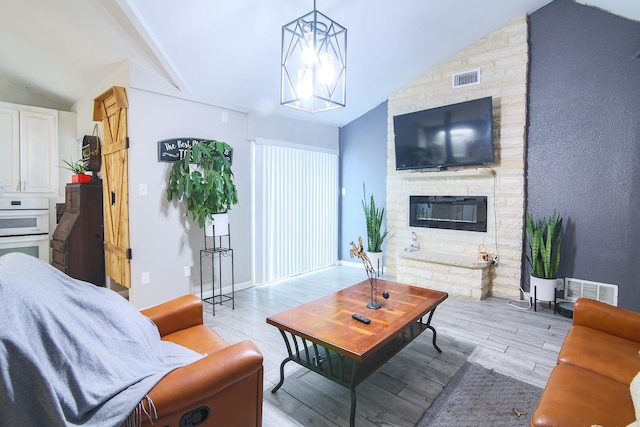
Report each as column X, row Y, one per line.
column 200, row 338
column 578, row 397
column 613, row 357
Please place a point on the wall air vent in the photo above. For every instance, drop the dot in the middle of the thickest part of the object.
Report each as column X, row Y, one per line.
column 576, row 288
column 466, row 78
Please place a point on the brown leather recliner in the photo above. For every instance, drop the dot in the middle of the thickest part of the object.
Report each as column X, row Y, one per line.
column 222, row 389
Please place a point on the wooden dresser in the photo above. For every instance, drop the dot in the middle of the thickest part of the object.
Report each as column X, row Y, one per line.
column 77, row 242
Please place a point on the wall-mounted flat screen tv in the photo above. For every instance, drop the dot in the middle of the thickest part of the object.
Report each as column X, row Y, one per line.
column 452, row 135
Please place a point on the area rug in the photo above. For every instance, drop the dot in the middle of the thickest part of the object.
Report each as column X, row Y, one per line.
column 476, row 396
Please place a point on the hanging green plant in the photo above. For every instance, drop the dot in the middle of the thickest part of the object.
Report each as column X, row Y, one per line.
column 203, row 180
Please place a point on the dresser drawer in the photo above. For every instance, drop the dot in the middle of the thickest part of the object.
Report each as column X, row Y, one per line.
column 72, row 199
column 58, row 246
column 59, row 267
column 60, row 258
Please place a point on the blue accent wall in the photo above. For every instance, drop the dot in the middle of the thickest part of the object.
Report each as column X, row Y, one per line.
column 583, row 155
column 363, row 159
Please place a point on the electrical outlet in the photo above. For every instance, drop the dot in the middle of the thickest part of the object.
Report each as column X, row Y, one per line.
column 225, row 117
column 560, row 284
column 187, row 270
column 145, row 278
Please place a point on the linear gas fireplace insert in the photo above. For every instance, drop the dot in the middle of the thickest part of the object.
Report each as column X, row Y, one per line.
column 449, row 212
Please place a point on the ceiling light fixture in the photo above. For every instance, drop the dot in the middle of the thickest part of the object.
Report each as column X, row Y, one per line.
column 314, row 63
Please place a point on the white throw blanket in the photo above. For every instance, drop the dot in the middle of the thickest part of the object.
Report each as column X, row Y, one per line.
column 72, row 353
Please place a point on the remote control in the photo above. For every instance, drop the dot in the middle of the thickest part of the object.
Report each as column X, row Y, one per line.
column 360, row 318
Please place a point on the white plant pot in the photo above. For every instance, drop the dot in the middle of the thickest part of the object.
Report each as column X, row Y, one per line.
column 220, row 224
column 377, row 261
column 545, row 289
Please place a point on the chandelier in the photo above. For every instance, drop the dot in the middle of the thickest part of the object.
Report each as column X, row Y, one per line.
column 314, row 63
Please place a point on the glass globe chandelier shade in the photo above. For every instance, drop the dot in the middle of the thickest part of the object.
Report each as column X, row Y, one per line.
column 314, row 63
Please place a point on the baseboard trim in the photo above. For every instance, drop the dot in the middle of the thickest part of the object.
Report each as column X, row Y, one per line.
column 351, row 264
column 226, row 289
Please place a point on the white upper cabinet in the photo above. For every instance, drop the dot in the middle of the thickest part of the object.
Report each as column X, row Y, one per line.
column 38, row 151
column 10, row 148
column 29, row 137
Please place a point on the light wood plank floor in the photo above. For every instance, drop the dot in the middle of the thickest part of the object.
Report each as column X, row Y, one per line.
column 519, row 343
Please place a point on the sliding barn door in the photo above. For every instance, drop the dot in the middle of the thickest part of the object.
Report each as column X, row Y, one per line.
column 111, row 109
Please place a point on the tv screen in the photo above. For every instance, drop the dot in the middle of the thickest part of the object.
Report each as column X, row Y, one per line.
column 452, row 135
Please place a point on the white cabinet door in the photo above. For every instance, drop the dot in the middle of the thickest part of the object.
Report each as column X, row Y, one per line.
column 38, row 151
column 9, row 150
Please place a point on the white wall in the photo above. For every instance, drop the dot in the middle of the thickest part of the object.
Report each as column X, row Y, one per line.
column 163, row 239
column 84, row 106
column 17, row 93
column 68, row 148
column 285, row 129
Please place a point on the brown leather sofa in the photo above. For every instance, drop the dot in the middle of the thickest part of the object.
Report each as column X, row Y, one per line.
column 222, row 389
column 598, row 359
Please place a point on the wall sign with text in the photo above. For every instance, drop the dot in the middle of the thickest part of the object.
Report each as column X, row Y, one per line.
column 171, row 150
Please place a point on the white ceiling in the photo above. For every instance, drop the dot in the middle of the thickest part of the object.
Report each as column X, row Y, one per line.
column 229, row 52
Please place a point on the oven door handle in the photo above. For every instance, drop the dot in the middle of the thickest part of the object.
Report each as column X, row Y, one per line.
column 26, row 213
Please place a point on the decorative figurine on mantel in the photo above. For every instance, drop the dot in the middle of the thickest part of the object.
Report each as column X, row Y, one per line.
column 414, row 246
column 358, row 251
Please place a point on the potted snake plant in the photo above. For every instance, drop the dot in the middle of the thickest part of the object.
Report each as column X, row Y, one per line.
column 78, row 168
column 203, row 181
column 375, row 237
column 544, row 245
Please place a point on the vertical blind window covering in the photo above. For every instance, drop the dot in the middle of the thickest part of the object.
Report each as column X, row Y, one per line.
column 296, row 211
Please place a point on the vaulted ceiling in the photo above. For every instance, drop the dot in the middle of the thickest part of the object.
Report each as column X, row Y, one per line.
column 229, row 52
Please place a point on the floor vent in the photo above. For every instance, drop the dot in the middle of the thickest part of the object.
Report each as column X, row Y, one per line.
column 603, row 292
column 467, row 78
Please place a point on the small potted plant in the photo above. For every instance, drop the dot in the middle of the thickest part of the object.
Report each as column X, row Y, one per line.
column 544, row 246
column 375, row 236
column 78, row 168
column 202, row 179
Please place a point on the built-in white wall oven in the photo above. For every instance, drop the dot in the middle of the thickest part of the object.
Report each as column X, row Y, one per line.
column 24, row 226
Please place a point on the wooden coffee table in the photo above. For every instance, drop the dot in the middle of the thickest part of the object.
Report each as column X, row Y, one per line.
column 322, row 336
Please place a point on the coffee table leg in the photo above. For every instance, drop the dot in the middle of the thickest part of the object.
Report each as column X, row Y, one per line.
column 434, row 339
column 352, row 417
column 435, row 334
column 284, row 362
column 281, row 375
column 316, row 367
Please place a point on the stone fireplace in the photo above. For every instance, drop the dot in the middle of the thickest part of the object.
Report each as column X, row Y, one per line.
column 448, row 258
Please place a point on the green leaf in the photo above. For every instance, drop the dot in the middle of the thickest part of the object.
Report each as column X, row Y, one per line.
column 374, row 219
column 544, row 245
column 203, row 181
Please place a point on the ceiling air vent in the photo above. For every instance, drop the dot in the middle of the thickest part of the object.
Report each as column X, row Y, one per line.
column 576, row 288
column 467, row 78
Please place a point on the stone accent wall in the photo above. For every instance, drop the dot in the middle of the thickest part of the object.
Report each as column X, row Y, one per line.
column 502, row 57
